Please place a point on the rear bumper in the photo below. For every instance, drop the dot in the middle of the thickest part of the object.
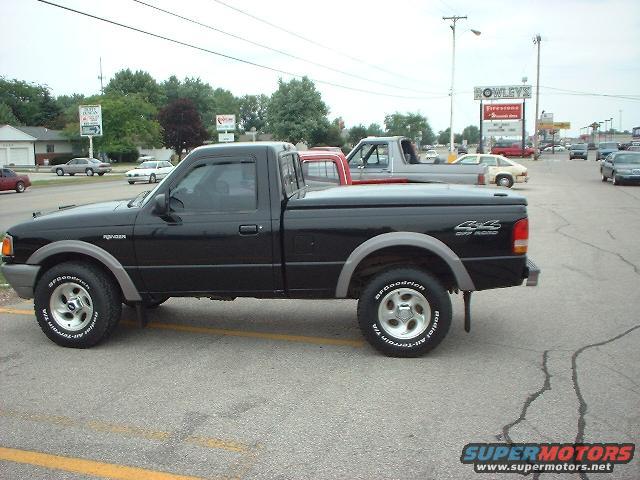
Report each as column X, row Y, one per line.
column 22, row 278
column 532, row 272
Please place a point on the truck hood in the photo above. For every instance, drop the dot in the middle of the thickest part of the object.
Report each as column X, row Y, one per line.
column 404, row 195
column 93, row 215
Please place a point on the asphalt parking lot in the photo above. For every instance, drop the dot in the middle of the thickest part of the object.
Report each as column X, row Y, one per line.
column 279, row 389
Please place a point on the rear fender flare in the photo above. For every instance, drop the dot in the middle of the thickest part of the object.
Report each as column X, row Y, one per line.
column 410, row 239
column 129, row 290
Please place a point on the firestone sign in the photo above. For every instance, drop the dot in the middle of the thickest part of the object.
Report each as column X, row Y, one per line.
column 502, row 92
column 502, row 111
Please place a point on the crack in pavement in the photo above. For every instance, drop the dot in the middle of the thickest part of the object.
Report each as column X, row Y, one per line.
column 530, row 399
column 636, row 269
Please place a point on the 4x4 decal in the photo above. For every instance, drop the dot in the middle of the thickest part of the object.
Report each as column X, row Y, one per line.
column 474, row 227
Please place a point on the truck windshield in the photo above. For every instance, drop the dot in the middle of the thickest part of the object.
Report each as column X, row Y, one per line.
column 579, row 146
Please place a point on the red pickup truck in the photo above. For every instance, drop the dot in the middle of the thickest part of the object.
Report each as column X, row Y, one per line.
column 513, row 150
column 323, row 166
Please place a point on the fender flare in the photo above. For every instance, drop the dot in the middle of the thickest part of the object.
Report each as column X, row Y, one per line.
column 129, row 290
column 399, row 239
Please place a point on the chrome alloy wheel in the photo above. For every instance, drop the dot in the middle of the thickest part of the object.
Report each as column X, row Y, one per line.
column 71, row 306
column 404, row 313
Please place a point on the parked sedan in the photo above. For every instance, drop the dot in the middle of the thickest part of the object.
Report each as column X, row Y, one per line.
column 10, row 180
column 88, row 166
column 149, row 172
column 622, row 166
column 554, row 148
column 502, row 171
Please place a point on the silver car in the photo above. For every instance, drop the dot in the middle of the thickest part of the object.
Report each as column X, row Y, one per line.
column 88, row 166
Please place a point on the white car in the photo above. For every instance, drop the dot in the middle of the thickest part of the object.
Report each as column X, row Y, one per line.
column 149, row 172
column 557, row 148
column 502, row 171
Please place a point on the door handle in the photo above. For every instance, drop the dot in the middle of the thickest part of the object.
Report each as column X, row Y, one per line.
column 248, row 229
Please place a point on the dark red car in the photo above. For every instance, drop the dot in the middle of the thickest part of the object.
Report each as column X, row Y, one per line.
column 10, row 180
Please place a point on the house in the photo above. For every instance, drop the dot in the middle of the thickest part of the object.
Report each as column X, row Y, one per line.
column 31, row 145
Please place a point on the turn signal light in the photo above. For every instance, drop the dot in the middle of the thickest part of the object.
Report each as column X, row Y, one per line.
column 521, row 236
column 7, row 246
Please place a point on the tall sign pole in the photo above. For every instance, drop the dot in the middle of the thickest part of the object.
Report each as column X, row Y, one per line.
column 90, row 123
column 453, row 19
column 480, row 145
column 536, row 41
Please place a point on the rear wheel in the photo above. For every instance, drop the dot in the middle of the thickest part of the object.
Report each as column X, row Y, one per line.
column 504, row 181
column 604, row 178
column 20, row 187
column 77, row 304
column 101, row 174
column 130, row 182
column 404, row 312
column 152, row 178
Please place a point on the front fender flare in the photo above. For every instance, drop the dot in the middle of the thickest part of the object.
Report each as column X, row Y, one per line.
column 409, row 239
column 129, row 290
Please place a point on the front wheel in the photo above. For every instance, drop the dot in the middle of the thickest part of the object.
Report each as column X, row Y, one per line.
column 59, row 172
column 20, row 187
column 152, row 178
column 404, row 312
column 604, row 178
column 89, row 172
column 615, row 180
column 76, row 304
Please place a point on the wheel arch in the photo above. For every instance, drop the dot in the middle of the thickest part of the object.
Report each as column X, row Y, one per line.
column 402, row 245
column 69, row 250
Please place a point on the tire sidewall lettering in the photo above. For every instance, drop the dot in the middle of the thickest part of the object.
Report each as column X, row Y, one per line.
column 46, row 314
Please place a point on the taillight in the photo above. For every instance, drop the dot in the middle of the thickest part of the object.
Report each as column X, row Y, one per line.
column 481, row 179
column 7, row 246
column 521, row 236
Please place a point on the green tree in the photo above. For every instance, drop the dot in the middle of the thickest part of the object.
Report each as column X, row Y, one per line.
column 296, row 110
column 253, row 112
column 443, row 136
column 182, row 125
column 326, row 134
column 374, row 130
column 410, row 125
column 194, row 89
column 125, row 82
column 223, row 102
column 471, row 134
column 31, row 104
column 128, row 122
column 357, row 133
column 428, row 137
column 6, row 115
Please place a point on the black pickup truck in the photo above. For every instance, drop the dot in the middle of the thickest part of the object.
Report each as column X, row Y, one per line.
column 238, row 221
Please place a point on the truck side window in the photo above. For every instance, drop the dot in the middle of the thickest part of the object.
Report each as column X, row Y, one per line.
column 324, row 171
column 292, row 177
column 221, row 186
column 371, row 156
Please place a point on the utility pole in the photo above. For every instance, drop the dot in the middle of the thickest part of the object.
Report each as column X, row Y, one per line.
column 453, row 19
column 536, row 41
column 100, row 77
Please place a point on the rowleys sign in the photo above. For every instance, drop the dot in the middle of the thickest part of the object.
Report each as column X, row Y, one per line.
column 502, row 92
column 502, row 111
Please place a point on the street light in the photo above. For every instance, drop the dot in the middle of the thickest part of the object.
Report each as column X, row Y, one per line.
column 454, row 19
column 611, row 128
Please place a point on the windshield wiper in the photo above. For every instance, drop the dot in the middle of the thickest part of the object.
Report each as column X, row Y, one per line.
column 139, row 198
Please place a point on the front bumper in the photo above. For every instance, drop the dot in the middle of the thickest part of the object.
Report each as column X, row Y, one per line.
column 22, row 278
column 532, row 273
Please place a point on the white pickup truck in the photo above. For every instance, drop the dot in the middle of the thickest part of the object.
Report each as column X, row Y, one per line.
column 388, row 157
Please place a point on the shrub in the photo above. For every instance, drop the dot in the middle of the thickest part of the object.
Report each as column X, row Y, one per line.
column 64, row 158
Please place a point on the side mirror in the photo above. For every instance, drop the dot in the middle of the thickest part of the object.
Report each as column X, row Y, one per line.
column 161, row 204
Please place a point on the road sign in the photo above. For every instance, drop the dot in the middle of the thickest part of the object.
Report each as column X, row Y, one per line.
column 225, row 123
column 502, row 111
column 225, row 137
column 502, row 91
column 506, row 128
column 545, row 125
column 90, row 120
column 562, row 125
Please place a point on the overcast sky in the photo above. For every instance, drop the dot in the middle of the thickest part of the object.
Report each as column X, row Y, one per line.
column 587, row 46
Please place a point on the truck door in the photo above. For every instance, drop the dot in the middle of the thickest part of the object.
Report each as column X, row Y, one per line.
column 217, row 234
column 371, row 160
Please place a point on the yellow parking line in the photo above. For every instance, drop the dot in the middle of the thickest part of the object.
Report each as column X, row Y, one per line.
column 86, row 467
column 225, row 332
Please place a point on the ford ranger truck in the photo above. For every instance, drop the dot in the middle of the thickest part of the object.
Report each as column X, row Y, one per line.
column 239, row 221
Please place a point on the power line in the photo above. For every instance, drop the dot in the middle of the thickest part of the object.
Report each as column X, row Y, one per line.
column 593, row 94
column 237, row 59
column 282, row 52
column 313, row 42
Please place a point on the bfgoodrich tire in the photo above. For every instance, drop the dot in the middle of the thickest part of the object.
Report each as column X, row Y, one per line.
column 404, row 312
column 77, row 304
